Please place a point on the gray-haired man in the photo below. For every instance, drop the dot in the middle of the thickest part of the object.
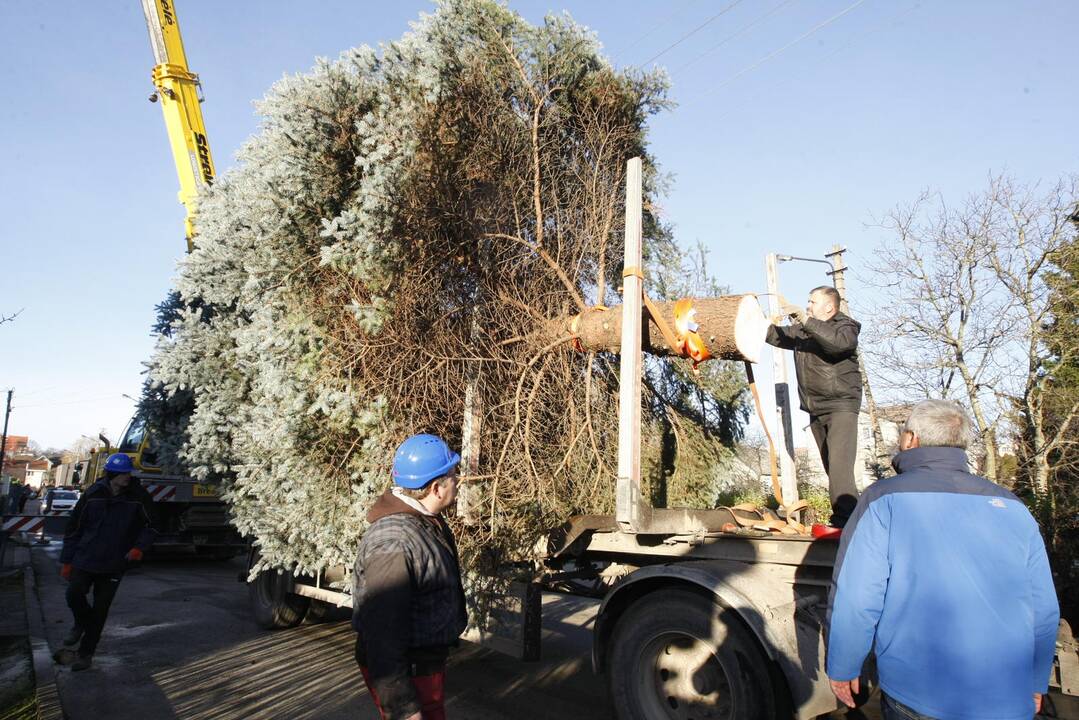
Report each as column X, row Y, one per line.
column 944, row 574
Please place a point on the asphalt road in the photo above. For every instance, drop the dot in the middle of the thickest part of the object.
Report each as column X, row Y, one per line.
column 180, row 644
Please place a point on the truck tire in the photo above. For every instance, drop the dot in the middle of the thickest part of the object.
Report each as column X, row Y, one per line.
column 320, row 611
column 678, row 655
column 273, row 602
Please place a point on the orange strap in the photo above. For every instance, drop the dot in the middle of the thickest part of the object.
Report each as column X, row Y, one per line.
column 777, row 489
column 664, row 328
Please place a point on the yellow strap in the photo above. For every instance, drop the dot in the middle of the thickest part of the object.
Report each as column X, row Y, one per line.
column 664, row 329
column 632, row 271
column 777, row 489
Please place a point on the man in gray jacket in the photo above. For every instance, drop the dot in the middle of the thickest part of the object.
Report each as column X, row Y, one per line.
column 408, row 601
column 825, row 345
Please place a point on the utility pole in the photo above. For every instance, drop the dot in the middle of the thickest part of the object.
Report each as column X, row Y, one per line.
column 840, row 283
column 784, row 426
column 3, row 439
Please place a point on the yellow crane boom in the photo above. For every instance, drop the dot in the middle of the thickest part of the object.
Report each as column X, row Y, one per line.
column 179, row 91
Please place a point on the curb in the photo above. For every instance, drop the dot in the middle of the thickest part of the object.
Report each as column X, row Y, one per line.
column 48, row 695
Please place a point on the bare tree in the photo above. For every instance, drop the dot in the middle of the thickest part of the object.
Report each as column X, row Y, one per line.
column 964, row 305
column 1032, row 235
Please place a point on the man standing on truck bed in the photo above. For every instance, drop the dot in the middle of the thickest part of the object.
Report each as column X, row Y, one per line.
column 825, row 345
column 408, row 602
column 945, row 575
column 109, row 528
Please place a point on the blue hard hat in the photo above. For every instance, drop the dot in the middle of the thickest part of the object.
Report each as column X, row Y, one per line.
column 421, row 459
column 119, row 463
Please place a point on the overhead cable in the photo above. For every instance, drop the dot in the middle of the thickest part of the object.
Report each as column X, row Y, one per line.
column 784, row 81
column 691, row 33
column 845, row 46
column 786, row 47
column 653, row 28
column 727, row 39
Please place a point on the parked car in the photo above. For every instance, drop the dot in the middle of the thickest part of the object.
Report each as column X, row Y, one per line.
column 57, row 500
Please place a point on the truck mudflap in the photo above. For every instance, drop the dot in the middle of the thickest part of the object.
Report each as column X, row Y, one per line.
column 782, row 606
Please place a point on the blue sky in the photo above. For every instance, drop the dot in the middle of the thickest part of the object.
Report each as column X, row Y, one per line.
column 790, row 154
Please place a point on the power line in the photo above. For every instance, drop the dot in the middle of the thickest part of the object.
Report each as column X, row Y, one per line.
column 655, row 26
column 774, row 53
column 691, row 33
column 727, row 39
column 68, row 402
column 845, row 46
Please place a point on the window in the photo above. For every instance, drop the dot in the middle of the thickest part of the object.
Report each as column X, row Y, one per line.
column 133, row 435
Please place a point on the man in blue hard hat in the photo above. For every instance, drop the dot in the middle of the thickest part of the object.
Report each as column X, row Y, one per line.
column 108, row 530
column 408, row 601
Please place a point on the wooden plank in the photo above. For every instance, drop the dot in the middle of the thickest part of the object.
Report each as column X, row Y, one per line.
column 628, row 492
column 784, row 432
column 512, row 622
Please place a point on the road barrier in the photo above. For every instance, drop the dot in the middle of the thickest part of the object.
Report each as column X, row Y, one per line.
column 54, row 522
column 160, row 492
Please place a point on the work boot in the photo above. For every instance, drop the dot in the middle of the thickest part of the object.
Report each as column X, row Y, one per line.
column 82, row 662
column 73, row 636
column 65, row 656
column 826, row 532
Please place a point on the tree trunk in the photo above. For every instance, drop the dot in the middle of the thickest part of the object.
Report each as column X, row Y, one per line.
column 880, row 455
column 732, row 328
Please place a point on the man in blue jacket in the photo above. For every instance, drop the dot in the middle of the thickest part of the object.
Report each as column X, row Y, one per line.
column 109, row 528
column 944, row 575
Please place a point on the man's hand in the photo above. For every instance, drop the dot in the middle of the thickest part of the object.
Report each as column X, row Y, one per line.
column 133, row 555
column 845, row 690
column 1037, row 703
column 789, row 309
column 795, row 312
column 65, row 571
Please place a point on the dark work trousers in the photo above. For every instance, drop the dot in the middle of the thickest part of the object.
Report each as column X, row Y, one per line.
column 91, row 618
column 837, row 439
column 430, row 689
column 428, row 676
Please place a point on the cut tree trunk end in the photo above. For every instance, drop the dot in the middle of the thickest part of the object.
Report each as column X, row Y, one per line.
column 732, row 327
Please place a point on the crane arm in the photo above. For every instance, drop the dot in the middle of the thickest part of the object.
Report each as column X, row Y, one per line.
column 178, row 89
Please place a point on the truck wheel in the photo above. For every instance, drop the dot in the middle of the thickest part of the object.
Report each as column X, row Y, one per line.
column 274, row 605
column 678, row 655
column 320, row 611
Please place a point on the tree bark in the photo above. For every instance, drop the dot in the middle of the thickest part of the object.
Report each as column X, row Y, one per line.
column 732, row 328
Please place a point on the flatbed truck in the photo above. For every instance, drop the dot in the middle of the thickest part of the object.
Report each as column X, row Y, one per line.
column 698, row 620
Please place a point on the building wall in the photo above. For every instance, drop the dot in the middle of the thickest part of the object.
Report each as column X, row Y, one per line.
column 36, row 478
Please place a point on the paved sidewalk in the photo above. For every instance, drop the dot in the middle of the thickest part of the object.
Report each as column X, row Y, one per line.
column 27, row 681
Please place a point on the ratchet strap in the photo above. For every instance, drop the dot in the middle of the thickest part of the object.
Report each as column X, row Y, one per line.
column 777, row 488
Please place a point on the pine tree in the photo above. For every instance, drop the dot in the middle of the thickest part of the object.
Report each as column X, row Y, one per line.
column 398, row 235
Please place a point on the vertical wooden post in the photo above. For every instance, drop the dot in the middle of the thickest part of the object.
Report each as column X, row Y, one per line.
column 471, row 493
column 628, row 498
column 784, row 430
column 469, row 496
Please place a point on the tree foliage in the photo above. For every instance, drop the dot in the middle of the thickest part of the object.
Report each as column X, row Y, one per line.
column 392, row 247
column 979, row 302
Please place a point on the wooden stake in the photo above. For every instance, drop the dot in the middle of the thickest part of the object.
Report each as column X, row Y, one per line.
column 784, row 430
column 628, row 498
